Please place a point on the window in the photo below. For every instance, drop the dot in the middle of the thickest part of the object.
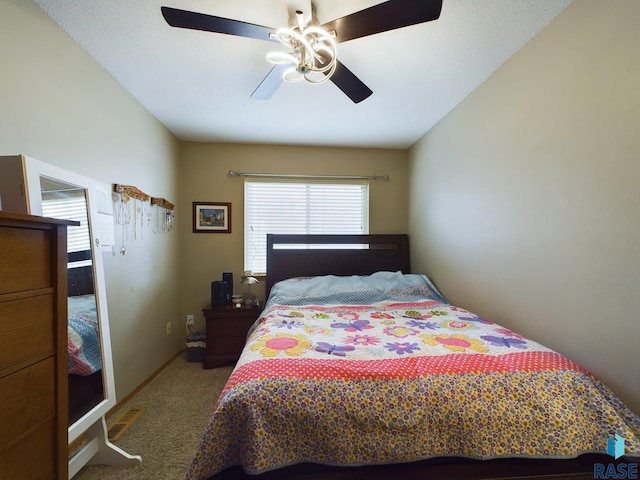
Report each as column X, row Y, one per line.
column 300, row 208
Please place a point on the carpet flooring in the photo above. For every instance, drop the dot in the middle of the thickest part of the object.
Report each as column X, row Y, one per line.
column 176, row 406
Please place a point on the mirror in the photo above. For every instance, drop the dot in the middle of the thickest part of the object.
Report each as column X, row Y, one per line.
column 37, row 188
column 86, row 387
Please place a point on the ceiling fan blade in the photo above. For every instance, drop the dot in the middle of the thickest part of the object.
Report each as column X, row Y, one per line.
column 351, row 85
column 209, row 23
column 383, row 17
column 270, row 83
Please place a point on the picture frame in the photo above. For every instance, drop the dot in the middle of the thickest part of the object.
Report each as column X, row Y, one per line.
column 211, row 217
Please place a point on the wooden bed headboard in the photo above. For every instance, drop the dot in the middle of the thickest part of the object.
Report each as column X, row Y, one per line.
column 80, row 278
column 291, row 256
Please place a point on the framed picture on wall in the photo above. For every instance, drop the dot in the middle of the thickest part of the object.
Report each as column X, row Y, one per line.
column 211, row 217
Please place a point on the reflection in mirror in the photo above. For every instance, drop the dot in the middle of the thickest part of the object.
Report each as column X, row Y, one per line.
column 86, row 386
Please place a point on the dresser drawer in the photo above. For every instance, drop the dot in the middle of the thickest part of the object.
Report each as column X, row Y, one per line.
column 30, row 458
column 29, row 265
column 27, row 398
column 26, row 330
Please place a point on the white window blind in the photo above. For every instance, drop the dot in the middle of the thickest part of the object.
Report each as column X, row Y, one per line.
column 69, row 205
column 300, row 208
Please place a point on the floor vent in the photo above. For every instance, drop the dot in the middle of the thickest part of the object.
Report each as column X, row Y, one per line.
column 117, row 428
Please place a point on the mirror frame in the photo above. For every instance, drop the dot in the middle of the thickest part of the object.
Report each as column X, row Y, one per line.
column 33, row 170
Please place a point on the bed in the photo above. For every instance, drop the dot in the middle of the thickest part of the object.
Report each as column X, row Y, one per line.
column 357, row 368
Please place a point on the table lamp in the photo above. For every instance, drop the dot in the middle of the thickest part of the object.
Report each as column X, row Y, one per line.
column 250, row 300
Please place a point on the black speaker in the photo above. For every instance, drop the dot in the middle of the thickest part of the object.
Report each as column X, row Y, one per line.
column 218, row 294
column 228, row 278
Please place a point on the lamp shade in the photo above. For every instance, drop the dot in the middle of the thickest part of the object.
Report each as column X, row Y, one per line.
column 248, row 280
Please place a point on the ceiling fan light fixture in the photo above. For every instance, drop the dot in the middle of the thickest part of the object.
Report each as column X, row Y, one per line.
column 313, row 47
column 281, row 58
column 313, row 53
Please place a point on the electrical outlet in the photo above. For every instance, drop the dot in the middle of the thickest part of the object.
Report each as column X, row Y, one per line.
column 168, row 328
column 190, row 321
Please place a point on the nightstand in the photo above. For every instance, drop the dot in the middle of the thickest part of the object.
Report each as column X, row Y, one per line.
column 226, row 333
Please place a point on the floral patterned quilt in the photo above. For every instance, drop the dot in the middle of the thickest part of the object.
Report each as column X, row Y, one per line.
column 392, row 382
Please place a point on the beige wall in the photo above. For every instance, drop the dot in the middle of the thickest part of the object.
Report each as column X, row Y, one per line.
column 59, row 106
column 525, row 199
column 204, row 178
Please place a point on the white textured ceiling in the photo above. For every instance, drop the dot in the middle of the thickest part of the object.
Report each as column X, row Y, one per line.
column 199, row 84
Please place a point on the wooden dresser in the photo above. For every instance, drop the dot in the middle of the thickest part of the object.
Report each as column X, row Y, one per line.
column 33, row 347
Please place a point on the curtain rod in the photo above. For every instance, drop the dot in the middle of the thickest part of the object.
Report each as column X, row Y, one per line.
column 233, row 173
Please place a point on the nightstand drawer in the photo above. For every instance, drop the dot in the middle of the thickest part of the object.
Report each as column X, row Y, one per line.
column 226, row 333
column 232, row 326
column 228, row 347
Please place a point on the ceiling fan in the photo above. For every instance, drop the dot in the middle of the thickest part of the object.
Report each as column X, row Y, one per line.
column 312, row 55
